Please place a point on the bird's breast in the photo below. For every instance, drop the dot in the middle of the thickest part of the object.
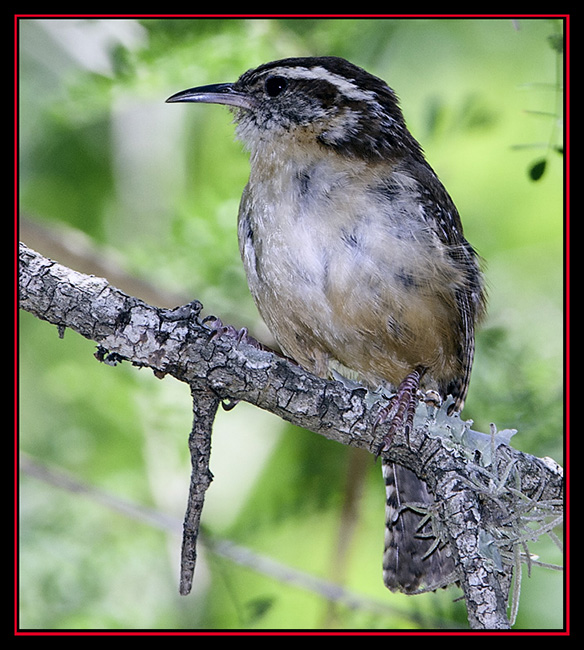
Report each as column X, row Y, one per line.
column 337, row 273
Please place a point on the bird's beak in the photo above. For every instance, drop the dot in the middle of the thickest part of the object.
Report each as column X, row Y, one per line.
column 214, row 94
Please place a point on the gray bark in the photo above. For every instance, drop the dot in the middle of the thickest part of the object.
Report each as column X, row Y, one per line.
column 485, row 491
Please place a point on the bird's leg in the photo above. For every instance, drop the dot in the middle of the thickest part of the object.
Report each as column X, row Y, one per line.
column 401, row 408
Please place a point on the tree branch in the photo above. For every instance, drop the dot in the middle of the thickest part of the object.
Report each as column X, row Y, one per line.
column 486, row 491
column 205, row 404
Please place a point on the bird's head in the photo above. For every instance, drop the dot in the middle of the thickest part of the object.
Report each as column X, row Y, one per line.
column 324, row 102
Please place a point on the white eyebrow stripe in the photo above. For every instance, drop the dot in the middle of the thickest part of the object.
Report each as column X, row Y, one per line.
column 345, row 86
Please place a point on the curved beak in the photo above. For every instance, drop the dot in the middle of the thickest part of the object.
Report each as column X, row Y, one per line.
column 214, row 94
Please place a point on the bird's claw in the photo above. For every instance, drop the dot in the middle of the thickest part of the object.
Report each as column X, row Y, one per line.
column 219, row 329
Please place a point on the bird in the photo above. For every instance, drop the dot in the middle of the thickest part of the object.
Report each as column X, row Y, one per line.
column 355, row 256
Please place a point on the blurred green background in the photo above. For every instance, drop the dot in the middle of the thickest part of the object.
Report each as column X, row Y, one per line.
column 115, row 182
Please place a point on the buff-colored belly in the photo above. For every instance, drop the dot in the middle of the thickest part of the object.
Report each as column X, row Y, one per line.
column 347, row 289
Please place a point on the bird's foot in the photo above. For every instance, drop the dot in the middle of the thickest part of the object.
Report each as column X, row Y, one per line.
column 219, row 329
column 400, row 410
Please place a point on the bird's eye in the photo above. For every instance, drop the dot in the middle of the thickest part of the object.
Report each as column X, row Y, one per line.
column 275, row 85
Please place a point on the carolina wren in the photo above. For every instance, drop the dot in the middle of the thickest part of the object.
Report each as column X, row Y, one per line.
column 355, row 255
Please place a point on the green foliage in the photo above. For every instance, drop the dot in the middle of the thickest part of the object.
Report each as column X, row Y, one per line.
column 159, row 185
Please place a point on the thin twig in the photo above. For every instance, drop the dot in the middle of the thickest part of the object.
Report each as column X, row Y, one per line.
column 205, row 404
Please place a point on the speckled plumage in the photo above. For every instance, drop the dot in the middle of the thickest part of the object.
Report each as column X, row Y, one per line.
column 354, row 251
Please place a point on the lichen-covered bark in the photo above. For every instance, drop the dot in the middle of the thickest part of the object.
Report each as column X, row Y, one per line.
column 469, row 496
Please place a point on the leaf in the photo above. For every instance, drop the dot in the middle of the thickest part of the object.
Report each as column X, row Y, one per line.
column 536, row 171
column 556, row 41
column 258, row 607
